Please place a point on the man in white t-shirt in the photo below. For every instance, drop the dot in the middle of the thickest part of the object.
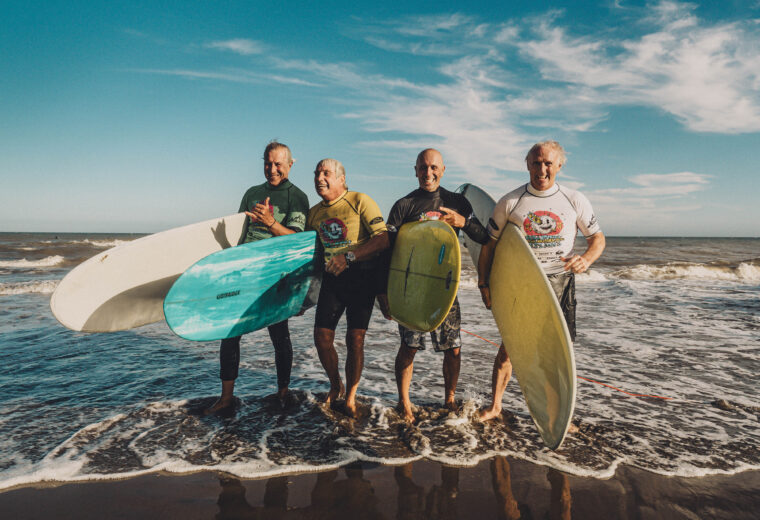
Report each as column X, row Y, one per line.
column 550, row 216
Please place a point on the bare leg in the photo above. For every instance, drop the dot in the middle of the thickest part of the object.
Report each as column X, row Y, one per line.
column 228, row 390
column 324, row 340
column 354, row 366
column 404, row 371
column 502, row 371
column 451, row 363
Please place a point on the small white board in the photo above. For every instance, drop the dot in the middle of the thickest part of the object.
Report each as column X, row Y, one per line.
column 124, row 287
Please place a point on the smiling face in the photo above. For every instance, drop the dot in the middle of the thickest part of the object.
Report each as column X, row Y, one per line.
column 544, row 165
column 328, row 182
column 429, row 169
column 277, row 163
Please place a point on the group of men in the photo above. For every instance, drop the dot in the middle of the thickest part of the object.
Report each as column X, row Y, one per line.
column 356, row 241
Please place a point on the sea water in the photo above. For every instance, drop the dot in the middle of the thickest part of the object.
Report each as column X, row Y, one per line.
column 677, row 319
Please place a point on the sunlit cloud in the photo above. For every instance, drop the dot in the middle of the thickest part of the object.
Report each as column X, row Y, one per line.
column 235, row 76
column 238, row 45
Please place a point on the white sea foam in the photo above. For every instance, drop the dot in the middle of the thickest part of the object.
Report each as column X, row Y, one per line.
column 42, row 287
column 744, row 272
column 49, row 261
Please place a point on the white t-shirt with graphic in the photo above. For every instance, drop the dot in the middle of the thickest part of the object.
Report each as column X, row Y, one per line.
column 549, row 219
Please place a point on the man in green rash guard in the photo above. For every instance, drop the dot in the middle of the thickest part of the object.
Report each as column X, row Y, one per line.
column 274, row 208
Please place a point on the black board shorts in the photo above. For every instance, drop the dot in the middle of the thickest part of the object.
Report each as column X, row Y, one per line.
column 353, row 291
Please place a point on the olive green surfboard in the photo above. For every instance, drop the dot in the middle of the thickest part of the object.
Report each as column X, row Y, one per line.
column 424, row 274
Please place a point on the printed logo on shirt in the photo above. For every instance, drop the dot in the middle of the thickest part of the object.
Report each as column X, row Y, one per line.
column 333, row 232
column 542, row 229
column 431, row 215
column 492, row 224
column 592, row 222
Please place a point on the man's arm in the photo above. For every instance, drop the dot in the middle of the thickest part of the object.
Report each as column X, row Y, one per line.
column 260, row 212
column 485, row 260
column 580, row 263
column 370, row 248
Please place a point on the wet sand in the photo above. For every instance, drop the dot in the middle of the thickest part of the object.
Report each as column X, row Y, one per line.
column 497, row 488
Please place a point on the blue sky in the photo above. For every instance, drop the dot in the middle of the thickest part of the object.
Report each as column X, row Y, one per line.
column 141, row 116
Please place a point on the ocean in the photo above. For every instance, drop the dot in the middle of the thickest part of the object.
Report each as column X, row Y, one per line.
column 673, row 324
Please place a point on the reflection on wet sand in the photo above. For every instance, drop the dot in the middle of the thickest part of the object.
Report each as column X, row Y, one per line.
column 354, row 497
column 508, row 508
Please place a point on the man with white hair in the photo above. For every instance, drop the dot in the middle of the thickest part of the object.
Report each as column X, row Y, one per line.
column 353, row 233
column 549, row 215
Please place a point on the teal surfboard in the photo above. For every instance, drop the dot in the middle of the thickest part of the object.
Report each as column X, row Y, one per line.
column 245, row 288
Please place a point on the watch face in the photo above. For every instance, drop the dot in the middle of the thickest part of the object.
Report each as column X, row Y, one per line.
column 350, row 256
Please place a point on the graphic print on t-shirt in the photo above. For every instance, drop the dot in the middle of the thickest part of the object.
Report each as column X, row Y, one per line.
column 333, row 233
column 431, row 215
column 542, row 229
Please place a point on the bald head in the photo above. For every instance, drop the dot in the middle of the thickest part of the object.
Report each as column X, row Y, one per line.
column 429, row 169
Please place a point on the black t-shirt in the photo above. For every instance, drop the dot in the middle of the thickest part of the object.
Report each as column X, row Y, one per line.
column 424, row 205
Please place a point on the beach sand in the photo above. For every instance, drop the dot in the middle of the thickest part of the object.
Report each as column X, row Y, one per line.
column 496, row 488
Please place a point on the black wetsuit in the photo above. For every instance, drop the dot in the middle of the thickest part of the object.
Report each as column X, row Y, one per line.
column 424, row 205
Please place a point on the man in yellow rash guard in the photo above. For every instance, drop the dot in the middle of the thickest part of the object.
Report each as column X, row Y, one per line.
column 353, row 233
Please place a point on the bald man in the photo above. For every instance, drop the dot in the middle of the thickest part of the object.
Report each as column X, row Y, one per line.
column 432, row 202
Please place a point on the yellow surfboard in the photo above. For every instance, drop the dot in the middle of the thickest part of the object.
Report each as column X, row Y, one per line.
column 535, row 335
column 424, row 274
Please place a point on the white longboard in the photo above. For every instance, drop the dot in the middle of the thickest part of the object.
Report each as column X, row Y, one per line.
column 124, row 287
column 532, row 327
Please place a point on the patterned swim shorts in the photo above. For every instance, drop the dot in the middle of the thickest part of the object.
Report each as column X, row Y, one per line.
column 446, row 337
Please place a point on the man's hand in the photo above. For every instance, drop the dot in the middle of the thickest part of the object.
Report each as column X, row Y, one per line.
column 336, row 265
column 576, row 264
column 452, row 218
column 485, row 295
column 261, row 213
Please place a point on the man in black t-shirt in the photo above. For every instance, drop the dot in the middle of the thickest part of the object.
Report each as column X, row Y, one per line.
column 431, row 202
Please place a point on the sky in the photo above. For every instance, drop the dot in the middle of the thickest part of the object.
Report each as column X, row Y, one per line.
column 143, row 116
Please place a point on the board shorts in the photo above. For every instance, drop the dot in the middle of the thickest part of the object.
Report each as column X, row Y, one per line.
column 446, row 337
column 353, row 291
column 564, row 287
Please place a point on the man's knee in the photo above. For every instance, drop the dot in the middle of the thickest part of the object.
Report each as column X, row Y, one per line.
column 502, row 358
column 405, row 353
column 355, row 338
column 323, row 338
column 452, row 354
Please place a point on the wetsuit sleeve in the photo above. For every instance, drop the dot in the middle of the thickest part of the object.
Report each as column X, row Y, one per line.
column 371, row 217
column 472, row 227
column 299, row 208
column 498, row 220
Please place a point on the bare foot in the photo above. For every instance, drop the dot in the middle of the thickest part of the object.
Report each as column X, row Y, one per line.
column 406, row 412
column 451, row 405
column 572, row 429
column 335, row 394
column 487, row 414
column 282, row 393
column 220, row 404
column 351, row 408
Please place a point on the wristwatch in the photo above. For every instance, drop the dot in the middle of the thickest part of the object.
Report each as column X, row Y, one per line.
column 350, row 258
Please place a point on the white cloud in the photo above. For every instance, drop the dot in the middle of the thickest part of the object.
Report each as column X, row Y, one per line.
column 234, row 76
column 238, row 45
